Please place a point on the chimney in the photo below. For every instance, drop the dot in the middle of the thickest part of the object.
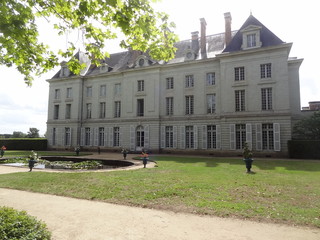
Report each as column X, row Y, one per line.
column 227, row 34
column 195, row 42
column 203, row 40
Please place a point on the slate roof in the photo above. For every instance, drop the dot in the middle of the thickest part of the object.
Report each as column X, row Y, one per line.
column 215, row 44
column 267, row 38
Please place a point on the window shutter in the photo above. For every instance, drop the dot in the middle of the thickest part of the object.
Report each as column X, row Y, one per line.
column 249, row 135
column 106, row 137
column 95, row 136
column 132, row 138
column 82, row 137
column 163, row 135
column 276, row 136
column 111, row 137
column 175, row 136
column 120, row 136
column 195, row 137
column 232, row 136
column 204, row 137
column 259, row 136
column 218, row 137
column 182, row 137
column 146, row 137
column 70, row 140
column 91, row 136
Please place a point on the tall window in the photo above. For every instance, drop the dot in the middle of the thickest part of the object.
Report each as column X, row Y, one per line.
column 57, row 94
column 169, row 83
column 89, row 92
column 239, row 74
column 101, row 136
column 103, row 90
column 116, row 136
column 240, row 100
column 117, row 89
column 189, row 137
column 88, row 110
column 266, row 98
column 67, row 138
column 140, row 85
column 211, row 79
column 189, row 81
column 56, row 112
column 102, row 111
column 169, row 137
column 169, row 106
column 265, row 70
column 140, row 107
column 117, row 109
column 240, row 135
column 54, row 133
column 211, row 103
column 68, row 111
column 140, row 136
column 189, row 105
column 69, row 93
column 267, row 136
column 87, row 136
column 211, row 137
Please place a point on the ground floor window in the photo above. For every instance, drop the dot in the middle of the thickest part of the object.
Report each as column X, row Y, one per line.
column 54, row 132
column 211, row 137
column 67, row 140
column 140, row 137
column 116, row 136
column 189, row 137
column 169, row 137
column 87, row 136
column 101, row 136
column 240, row 135
column 267, row 136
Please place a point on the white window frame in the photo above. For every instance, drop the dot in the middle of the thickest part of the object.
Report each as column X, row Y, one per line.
column 211, row 79
column 239, row 74
column 189, row 104
column 169, row 106
column 140, row 84
column 169, row 83
column 189, row 81
column 240, row 102
column 266, row 98
column 211, row 103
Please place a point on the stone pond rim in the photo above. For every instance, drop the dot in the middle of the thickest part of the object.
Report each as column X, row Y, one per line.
column 107, row 162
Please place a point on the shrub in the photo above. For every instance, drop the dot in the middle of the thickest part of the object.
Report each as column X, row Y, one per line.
column 16, row 225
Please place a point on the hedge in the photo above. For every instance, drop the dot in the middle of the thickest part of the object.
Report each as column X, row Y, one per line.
column 25, row 143
column 306, row 149
column 15, row 225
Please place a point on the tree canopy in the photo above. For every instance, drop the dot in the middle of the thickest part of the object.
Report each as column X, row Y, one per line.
column 308, row 128
column 143, row 29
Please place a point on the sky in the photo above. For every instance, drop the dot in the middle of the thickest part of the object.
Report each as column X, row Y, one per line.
column 296, row 22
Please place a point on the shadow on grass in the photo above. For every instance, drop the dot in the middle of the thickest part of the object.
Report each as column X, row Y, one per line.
column 263, row 164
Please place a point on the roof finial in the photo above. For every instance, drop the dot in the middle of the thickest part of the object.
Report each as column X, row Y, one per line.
column 250, row 12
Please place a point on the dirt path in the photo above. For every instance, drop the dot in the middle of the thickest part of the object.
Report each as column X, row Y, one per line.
column 76, row 219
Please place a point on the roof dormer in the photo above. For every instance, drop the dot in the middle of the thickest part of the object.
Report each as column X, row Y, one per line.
column 251, row 37
column 64, row 72
column 142, row 61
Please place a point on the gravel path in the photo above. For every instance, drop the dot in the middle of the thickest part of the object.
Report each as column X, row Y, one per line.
column 76, row 219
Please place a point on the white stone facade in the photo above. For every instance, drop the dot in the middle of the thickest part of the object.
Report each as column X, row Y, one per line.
column 209, row 105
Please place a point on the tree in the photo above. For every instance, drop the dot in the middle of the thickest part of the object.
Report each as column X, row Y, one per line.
column 143, row 28
column 33, row 133
column 308, row 128
column 17, row 134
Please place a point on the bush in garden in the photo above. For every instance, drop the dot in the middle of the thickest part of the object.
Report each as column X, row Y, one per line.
column 17, row 225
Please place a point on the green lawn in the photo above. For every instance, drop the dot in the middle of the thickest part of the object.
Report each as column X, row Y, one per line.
column 285, row 191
